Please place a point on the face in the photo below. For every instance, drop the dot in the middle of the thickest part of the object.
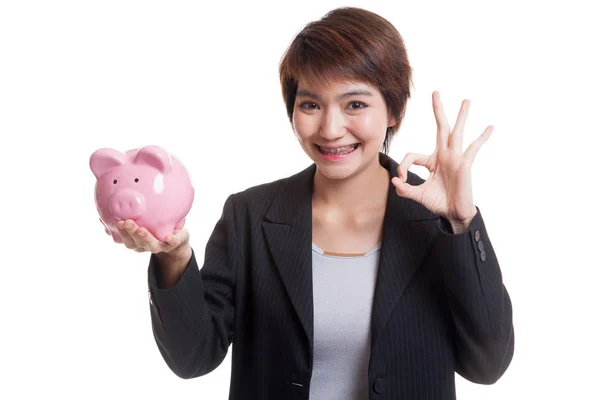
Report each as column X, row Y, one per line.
column 341, row 125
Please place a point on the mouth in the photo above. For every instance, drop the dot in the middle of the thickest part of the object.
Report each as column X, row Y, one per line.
column 337, row 151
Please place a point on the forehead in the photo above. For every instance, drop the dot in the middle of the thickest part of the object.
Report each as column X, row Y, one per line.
column 332, row 84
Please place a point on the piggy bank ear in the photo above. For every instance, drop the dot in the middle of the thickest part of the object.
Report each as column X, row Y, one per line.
column 105, row 159
column 155, row 157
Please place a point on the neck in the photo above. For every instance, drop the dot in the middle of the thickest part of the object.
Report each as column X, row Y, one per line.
column 366, row 189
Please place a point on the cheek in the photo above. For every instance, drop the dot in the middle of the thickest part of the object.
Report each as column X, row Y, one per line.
column 371, row 127
column 304, row 125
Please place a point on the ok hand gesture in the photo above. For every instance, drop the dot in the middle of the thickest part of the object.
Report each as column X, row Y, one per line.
column 447, row 191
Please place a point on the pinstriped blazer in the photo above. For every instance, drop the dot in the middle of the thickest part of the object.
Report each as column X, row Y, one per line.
column 439, row 306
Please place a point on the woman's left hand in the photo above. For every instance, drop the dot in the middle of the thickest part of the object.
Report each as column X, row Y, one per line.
column 447, row 191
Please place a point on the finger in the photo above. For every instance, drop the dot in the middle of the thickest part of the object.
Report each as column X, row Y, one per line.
column 148, row 242
column 456, row 138
column 410, row 159
column 154, row 245
column 474, row 147
column 179, row 237
column 143, row 239
column 125, row 229
column 407, row 190
column 443, row 129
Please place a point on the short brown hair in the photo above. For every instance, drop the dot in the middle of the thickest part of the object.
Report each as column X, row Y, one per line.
column 355, row 44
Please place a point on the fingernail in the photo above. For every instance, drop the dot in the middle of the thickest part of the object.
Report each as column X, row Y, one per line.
column 141, row 233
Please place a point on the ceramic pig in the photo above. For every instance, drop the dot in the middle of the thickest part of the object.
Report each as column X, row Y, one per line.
column 147, row 185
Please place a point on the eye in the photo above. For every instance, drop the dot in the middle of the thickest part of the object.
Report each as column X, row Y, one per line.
column 115, row 181
column 137, row 179
column 309, row 105
column 357, row 105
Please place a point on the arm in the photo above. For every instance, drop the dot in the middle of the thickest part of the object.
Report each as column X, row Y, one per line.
column 479, row 303
column 192, row 317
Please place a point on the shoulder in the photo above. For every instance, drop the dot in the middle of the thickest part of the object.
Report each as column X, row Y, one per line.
column 259, row 198
column 260, row 194
column 414, row 179
column 263, row 191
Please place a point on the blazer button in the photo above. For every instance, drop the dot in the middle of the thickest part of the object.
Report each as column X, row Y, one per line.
column 481, row 246
column 482, row 256
column 477, row 236
column 379, row 385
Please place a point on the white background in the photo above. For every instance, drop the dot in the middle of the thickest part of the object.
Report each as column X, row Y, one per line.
column 202, row 82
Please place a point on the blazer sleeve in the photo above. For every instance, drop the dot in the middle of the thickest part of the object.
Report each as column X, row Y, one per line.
column 192, row 321
column 479, row 303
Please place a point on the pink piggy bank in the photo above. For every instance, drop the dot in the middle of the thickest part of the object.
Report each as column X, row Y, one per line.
column 147, row 185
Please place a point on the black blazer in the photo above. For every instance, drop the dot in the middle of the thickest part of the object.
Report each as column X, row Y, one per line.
column 439, row 305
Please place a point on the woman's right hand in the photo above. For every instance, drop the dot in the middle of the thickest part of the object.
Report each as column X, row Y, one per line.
column 141, row 240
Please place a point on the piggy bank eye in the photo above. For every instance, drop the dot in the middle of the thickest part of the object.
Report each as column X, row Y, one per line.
column 115, row 181
column 137, row 179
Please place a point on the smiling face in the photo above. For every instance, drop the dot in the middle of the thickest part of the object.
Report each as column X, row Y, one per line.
column 341, row 125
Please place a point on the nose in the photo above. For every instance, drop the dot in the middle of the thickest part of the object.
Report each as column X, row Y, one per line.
column 332, row 125
column 127, row 204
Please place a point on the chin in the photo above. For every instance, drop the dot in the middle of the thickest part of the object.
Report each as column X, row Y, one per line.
column 339, row 170
column 336, row 172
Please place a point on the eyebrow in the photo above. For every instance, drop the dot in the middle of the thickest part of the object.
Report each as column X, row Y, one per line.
column 361, row 92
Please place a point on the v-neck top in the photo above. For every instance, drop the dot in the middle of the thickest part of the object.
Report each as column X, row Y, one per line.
column 343, row 288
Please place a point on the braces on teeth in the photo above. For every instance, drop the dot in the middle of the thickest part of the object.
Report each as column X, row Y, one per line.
column 339, row 150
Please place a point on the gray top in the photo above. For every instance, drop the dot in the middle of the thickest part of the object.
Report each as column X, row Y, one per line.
column 343, row 287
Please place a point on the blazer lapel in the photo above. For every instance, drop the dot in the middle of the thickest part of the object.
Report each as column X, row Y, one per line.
column 288, row 232
column 405, row 242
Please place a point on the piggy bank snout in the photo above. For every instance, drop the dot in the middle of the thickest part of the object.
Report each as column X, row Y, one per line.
column 127, row 204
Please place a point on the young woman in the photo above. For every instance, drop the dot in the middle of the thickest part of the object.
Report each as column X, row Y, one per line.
column 354, row 278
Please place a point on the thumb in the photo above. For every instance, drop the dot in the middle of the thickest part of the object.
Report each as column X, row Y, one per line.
column 405, row 189
column 179, row 237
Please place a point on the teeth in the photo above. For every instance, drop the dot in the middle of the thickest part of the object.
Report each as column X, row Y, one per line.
column 339, row 150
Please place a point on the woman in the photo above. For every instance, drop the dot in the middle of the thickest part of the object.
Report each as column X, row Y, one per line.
column 354, row 278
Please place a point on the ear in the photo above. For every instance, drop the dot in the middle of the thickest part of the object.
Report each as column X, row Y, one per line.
column 104, row 159
column 154, row 156
column 391, row 121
